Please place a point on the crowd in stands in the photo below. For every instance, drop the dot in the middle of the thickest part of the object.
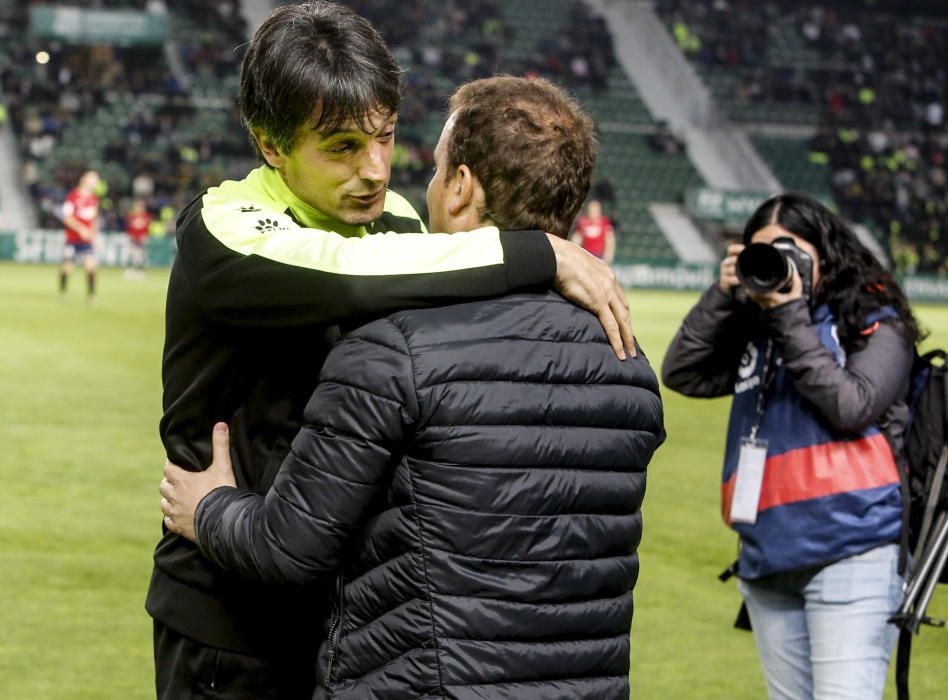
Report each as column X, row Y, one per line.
column 879, row 82
column 444, row 44
column 874, row 67
column 724, row 32
column 159, row 145
column 148, row 146
column 154, row 147
column 580, row 55
column 898, row 181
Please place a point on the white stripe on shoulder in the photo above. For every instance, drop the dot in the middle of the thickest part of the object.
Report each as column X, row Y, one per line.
column 255, row 227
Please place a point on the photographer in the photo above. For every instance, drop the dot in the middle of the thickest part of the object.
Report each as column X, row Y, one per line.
column 817, row 356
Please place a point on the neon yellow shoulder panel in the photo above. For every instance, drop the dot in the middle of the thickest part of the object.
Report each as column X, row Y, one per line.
column 249, row 218
column 399, row 206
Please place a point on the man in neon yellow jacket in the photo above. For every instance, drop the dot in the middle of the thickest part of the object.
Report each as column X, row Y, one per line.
column 267, row 268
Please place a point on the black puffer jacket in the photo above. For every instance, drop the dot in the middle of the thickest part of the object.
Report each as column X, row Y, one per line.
column 475, row 472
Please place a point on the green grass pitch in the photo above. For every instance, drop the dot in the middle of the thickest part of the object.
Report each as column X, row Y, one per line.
column 79, row 472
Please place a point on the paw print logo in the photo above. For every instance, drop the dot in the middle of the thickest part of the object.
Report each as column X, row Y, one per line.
column 267, row 225
column 249, row 209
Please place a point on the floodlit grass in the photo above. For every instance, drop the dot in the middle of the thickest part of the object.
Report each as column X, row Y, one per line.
column 80, row 466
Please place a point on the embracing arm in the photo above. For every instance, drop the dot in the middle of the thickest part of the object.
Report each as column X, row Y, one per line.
column 850, row 397
column 703, row 357
column 258, row 267
column 255, row 266
column 340, row 461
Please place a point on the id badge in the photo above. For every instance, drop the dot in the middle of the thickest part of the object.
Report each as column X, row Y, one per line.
column 749, row 480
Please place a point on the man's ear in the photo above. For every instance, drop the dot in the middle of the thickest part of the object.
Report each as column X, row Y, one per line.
column 465, row 193
column 269, row 150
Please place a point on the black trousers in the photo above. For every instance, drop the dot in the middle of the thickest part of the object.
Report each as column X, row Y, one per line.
column 188, row 670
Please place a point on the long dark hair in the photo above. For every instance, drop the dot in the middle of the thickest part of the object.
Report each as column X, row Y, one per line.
column 853, row 282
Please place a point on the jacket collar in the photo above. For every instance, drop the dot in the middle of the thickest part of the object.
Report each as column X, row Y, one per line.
column 820, row 313
column 306, row 215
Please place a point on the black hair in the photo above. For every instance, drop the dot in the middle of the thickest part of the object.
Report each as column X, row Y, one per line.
column 315, row 55
column 853, row 282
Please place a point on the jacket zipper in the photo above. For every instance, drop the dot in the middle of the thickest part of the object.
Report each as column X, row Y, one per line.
column 334, row 628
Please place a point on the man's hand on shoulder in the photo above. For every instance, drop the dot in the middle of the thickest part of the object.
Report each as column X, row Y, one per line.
column 590, row 283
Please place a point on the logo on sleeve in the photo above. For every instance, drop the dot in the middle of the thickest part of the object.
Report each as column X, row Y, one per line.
column 267, row 225
column 249, row 209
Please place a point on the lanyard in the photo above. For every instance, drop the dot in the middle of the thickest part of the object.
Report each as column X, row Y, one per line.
column 766, row 380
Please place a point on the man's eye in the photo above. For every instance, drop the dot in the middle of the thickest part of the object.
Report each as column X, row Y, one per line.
column 343, row 147
column 385, row 136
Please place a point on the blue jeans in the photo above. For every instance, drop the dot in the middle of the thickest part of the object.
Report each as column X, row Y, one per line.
column 824, row 634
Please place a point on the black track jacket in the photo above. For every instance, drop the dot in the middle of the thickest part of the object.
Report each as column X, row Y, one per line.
column 257, row 281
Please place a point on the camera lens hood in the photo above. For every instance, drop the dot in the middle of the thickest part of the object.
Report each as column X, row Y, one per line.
column 762, row 268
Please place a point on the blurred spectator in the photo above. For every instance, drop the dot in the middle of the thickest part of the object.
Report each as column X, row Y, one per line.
column 80, row 216
column 143, row 186
column 593, row 231
column 137, row 226
column 665, row 141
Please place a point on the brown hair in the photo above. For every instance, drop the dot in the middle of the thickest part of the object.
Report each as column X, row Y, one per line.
column 531, row 146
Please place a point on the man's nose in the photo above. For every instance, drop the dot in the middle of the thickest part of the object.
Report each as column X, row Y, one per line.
column 374, row 165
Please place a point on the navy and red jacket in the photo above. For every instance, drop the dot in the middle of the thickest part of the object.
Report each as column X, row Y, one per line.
column 831, row 485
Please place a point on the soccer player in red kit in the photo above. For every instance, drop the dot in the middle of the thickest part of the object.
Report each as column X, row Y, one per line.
column 81, row 219
column 594, row 232
column 137, row 222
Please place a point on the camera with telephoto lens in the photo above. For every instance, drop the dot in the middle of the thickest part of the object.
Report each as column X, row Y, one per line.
column 764, row 268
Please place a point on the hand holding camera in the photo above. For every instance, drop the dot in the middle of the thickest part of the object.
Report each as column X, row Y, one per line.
column 771, row 274
column 728, row 280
